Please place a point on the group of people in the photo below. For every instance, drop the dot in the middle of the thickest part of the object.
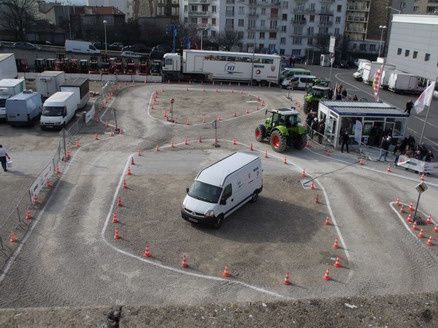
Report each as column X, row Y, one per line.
column 341, row 94
column 315, row 126
column 408, row 148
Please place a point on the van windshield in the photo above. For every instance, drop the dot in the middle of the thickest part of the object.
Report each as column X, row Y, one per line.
column 205, row 192
column 2, row 102
column 52, row 111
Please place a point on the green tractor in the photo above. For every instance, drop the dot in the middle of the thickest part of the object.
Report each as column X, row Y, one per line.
column 282, row 129
column 315, row 93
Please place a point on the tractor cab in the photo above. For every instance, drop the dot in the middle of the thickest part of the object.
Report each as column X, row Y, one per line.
column 314, row 94
column 284, row 116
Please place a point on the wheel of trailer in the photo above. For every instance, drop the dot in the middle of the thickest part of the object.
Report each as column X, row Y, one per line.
column 278, row 142
column 219, row 221
column 260, row 132
column 299, row 141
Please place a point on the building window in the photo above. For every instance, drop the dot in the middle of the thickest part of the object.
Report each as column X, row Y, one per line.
column 337, row 31
column 362, row 47
column 213, row 33
column 229, row 23
column 262, row 35
column 338, row 20
column 311, row 18
column 194, row 8
column 282, row 52
column 296, row 40
column 204, row 20
column 262, row 23
column 240, row 34
column 185, row 8
column 284, row 17
column 282, row 40
column 283, row 28
column 204, row 8
column 229, row 11
column 407, row 53
column 231, row 2
column 296, row 52
column 185, row 20
column 354, row 46
column 339, row 8
column 251, row 23
column 194, row 20
column 251, row 35
column 263, row 11
column 426, row 57
column 285, row 4
column 213, row 9
column 415, row 54
column 240, row 22
column 261, row 46
column 273, row 24
column 372, row 47
column 241, row 10
column 272, row 35
column 399, row 51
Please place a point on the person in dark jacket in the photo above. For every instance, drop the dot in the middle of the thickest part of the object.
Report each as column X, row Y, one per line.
column 386, row 141
column 409, row 106
column 345, row 139
column 397, row 153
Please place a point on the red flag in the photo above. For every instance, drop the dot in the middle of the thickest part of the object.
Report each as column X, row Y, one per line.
column 376, row 82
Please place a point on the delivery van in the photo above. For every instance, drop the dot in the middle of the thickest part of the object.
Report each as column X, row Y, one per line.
column 58, row 110
column 80, row 87
column 81, row 47
column 222, row 188
column 24, row 108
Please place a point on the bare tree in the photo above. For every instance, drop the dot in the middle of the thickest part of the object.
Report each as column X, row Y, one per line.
column 321, row 41
column 17, row 16
column 228, row 39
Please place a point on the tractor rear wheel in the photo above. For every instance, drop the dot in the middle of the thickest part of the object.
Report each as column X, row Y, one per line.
column 260, row 132
column 278, row 142
column 299, row 141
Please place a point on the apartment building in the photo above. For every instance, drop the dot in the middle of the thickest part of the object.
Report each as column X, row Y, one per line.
column 288, row 27
column 428, row 7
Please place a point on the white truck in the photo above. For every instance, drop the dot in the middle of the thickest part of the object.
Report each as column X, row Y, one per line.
column 48, row 82
column 369, row 70
column 401, row 82
column 8, row 66
column 80, row 87
column 58, row 110
column 81, row 47
column 387, row 71
column 9, row 88
column 222, row 66
column 23, row 108
column 222, row 188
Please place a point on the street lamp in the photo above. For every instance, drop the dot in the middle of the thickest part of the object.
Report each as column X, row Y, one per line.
column 202, row 29
column 382, row 28
column 104, row 27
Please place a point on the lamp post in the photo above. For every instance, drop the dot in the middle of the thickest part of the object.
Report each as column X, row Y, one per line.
column 382, row 28
column 104, row 27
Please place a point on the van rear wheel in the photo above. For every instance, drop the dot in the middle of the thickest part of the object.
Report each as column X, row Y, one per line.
column 219, row 221
column 254, row 197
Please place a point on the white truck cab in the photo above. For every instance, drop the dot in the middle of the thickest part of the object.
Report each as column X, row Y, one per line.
column 222, row 188
column 172, row 62
column 58, row 110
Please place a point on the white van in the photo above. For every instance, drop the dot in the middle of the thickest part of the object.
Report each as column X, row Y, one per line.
column 298, row 82
column 81, row 47
column 222, row 188
column 58, row 110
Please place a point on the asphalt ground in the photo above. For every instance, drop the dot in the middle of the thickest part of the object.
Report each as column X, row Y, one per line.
column 71, row 260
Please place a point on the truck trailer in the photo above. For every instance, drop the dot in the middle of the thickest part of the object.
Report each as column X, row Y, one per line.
column 8, row 66
column 203, row 65
column 8, row 89
column 401, row 82
column 387, row 71
column 80, row 87
column 23, row 108
column 48, row 82
column 369, row 70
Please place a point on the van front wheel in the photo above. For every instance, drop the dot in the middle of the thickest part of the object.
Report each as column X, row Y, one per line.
column 219, row 221
column 254, row 197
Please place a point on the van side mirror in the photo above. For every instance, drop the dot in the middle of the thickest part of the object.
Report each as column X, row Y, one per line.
column 187, row 190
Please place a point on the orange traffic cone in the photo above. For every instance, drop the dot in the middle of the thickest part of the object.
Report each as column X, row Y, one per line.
column 313, row 186
column 285, row 160
column 13, row 237
column 119, row 202
column 116, row 234
column 388, row 169
column 184, row 262
column 49, row 184
column 28, row 215
column 57, row 169
column 327, row 221
column 78, row 143
column 435, row 229
column 429, row 241
column 414, row 226
column 132, row 160
column 338, row 263
column 397, row 202
column 303, row 173
column 286, row 280
column 125, row 186
column 186, row 141
column 422, row 177
column 200, row 140
column 421, row 234
column 129, row 170
column 409, row 219
column 115, row 218
column 226, row 273
column 326, row 276
column 96, row 137
column 234, row 141
column 147, row 252
column 402, row 209
column 429, row 219
column 335, row 244
column 411, row 207
column 35, row 200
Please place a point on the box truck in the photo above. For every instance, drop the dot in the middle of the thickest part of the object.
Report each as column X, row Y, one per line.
column 8, row 66
column 9, row 88
column 222, row 188
column 401, row 82
column 81, row 47
column 80, row 87
column 48, row 82
column 23, row 108
column 387, row 71
column 222, row 66
column 369, row 70
column 58, row 110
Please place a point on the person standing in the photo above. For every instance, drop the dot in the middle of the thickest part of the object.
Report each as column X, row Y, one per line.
column 3, row 156
column 409, row 106
column 345, row 140
column 384, row 147
column 397, row 153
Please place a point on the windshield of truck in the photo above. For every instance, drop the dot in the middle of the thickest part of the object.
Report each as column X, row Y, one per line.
column 205, row 192
column 2, row 102
column 53, row 111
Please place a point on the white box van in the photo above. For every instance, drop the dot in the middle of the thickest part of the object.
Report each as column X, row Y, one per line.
column 400, row 82
column 81, row 47
column 48, row 82
column 24, row 108
column 222, row 188
column 80, row 87
column 58, row 110
column 9, row 88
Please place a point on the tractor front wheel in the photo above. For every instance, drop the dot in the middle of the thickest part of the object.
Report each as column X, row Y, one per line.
column 299, row 141
column 278, row 142
column 260, row 132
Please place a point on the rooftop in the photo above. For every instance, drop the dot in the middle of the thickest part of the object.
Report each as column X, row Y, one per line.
column 355, row 108
column 77, row 82
column 285, row 111
column 416, row 19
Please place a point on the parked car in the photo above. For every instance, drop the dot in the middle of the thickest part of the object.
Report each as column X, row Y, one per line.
column 26, row 46
column 138, row 47
column 131, row 54
column 116, row 46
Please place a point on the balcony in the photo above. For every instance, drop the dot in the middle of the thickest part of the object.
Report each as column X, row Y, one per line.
column 350, row 29
column 325, row 12
column 329, row 23
column 253, row 15
column 358, row 8
column 199, row 2
column 200, row 13
column 268, row 4
column 357, row 19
